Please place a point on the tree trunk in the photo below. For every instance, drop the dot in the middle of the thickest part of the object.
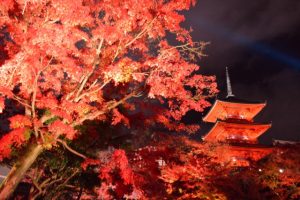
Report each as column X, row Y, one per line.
column 18, row 171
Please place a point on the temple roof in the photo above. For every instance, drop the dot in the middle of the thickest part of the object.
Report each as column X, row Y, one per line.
column 234, row 99
column 232, row 107
column 240, row 155
column 250, row 152
column 236, row 131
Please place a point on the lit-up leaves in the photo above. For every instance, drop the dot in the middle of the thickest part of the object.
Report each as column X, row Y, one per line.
column 47, row 101
column 280, row 172
column 19, row 121
column 14, row 138
column 123, row 71
column 175, row 126
column 69, row 80
column 119, row 118
column 58, row 128
column 110, row 182
column 62, row 113
column 71, row 13
column 170, row 79
column 5, row 6
column 274, row 177
column 6, row 91
column 175, row 168
column 118, row 160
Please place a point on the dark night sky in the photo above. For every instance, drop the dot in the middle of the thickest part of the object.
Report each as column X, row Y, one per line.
column 259, row 41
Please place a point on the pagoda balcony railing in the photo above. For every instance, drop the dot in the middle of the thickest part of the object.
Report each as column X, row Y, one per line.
column 240, row 140
column 238, row 120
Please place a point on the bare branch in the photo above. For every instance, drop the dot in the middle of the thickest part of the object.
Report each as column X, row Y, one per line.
column 64, row 184
column 12, row 76
column 117, row 51
column 98, row 51
column 145, row 30
column 74, row 90
column 21, row 101
column 111, row 105
column 94, row 91
column 197, row 49
column 36, row 85
column 24, row 8
column 70, row 149
column 37, row 187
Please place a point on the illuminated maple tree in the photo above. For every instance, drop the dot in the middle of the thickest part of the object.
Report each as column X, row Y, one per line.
column 65, row 62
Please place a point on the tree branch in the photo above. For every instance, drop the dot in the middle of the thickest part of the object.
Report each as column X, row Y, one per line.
column 24, row 8
column 36, row 86
column 141, row 33
column 70, row 149
column 94, row 91
column 21, row 101
column 112, row 105
column 98, row 51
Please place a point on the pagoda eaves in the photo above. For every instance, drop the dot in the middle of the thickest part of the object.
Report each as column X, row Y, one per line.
column 236, row 155
column 233, row 131
column 227, row 109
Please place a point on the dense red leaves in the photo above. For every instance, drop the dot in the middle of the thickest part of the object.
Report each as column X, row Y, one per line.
column 5, row 6
column 14, row 138
column 6, row 91
column 59, row 128
column 19, row 121
column 55, row 45
column 117, row 176
column 171, row 79
column 174, row 168
column 118, row 118
column 118, row 160
column 62, row 113
column 122, row 71
column 47, row 100
column 179, row 127
column 20, row 132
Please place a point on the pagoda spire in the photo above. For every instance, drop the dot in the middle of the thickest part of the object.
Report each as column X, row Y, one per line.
column 229, row 88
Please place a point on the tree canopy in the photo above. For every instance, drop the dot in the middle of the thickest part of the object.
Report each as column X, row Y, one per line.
column 66, row 62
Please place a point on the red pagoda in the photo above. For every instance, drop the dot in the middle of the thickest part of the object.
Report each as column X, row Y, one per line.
column 235, row 128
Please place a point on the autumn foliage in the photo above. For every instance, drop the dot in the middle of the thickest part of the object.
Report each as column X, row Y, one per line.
column 65, row 62
column 168, row 167
column 75, row 61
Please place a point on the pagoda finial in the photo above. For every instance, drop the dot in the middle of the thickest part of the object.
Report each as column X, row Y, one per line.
column 229, row 89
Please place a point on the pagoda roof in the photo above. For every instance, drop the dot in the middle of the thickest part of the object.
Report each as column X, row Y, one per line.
column 236, row 131
column 251, row 152
column 232, row 107
column 238, row 100
column 241, row 154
